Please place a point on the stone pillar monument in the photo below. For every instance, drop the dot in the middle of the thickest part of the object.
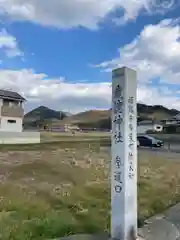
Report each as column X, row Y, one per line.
column 124, row 155
column 124, row 159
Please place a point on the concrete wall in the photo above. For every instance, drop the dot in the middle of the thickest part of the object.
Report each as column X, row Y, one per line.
column 19, row 137
column 5, row 126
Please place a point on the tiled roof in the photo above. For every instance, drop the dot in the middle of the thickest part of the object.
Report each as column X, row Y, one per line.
column 11, row 95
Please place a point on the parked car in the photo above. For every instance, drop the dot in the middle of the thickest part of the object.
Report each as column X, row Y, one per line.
column 148, row 141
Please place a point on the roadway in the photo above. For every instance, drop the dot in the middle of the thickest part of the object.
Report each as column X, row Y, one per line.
column 173, row 147
column 171, row 152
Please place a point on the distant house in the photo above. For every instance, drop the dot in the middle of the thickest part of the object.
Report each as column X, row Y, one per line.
column 172, row 125
column 11, row 111
column 61, row 127
column 172, row 121
column 176, row 117
column 149, row 125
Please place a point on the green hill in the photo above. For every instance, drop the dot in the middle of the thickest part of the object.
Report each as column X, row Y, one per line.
column 94, row 118
column 41, row 116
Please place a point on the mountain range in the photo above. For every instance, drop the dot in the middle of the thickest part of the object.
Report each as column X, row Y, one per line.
column 42, row 115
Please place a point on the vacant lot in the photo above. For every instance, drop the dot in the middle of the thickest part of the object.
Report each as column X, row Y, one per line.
column 53, row 191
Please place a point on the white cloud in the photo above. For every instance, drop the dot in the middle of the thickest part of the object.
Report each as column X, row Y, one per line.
column 154, row 53
column 56, row 93
column 159, row 96
column 74, row 97
column 8, row 44
column 73, row 13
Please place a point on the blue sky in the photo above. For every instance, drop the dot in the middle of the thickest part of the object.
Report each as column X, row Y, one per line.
column 60, row 54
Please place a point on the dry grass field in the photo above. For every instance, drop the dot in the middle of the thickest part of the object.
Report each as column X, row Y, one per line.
column 57, row 190
column 96, row 136
column 79, row 136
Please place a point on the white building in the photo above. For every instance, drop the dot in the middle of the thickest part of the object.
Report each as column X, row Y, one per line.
column 148, row 125
column 11, row 111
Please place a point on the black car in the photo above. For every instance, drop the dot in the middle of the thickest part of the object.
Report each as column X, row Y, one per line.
column 148, row 141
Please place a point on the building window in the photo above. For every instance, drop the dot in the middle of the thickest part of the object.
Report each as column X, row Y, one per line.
column 11, row 121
